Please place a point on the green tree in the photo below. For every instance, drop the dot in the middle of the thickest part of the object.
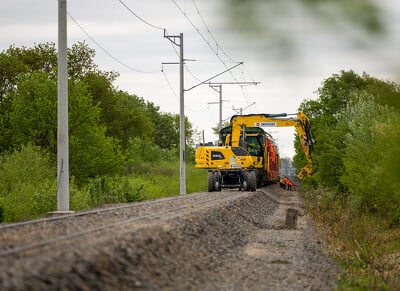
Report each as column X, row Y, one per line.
column 128, row 117
column 355, row 122
column 369, row 155
column 327, row 124
column 92, row 152
column 33, row 114
column 33, row 119
column 16, row 62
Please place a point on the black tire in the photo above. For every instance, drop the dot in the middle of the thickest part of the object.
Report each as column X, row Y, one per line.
column 211, row 181
column 217, row 181
column 246, row 181
column 252, row 181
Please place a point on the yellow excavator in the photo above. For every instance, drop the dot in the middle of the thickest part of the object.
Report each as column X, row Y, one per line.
column 235, row 164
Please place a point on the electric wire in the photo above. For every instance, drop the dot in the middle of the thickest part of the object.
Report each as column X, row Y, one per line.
column 186, row 67
column 209, row 31
column 105, row 51
column 140, row 18
column 209, row 45
column 214, row 39
column 245, row 92
column 169, row 84
column 174, row 92
column 191, row 73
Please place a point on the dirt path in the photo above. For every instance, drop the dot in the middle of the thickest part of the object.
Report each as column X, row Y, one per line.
column 235, row 243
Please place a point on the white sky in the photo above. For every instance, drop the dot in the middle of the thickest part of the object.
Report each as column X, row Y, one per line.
column 320, row 52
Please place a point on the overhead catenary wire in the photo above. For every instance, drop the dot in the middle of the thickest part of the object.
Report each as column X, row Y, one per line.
column 186, row 67
column 169, row 84
column 215, row 51
column 210, row 33
column 140, row 18
column 165, row 31
column 174, row 92
column 106, row 52
column 214, row 39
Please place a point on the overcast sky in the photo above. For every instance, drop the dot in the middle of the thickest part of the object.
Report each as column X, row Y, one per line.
column 286, row 80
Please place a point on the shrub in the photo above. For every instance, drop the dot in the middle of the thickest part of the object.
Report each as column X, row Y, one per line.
column 370, row 158
column 27, row 184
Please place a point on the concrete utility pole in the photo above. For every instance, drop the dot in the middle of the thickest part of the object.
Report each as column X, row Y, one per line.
column 62, row 112
column 182, row 132
column 182, row 151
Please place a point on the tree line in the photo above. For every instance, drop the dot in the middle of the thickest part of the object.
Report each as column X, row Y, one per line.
column 112, row 133
column 355, row 192
column 356, row 125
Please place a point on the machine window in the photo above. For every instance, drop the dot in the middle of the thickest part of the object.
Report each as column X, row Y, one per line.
column 217, row 155
column 240, row 151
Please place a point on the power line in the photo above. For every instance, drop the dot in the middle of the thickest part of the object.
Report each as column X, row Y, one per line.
column 169, row 84
column 140, row 18
column 209, row 31
column 199, row 32
column 245, row 93
column 191, row 73
column 212, row 36
column 186, row 67
column 106, row 52
column 210, row 46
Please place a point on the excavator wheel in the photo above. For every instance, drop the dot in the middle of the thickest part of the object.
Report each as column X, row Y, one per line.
column 211, row 181
column 217, row 181
column 252, row 181
column 246, row 181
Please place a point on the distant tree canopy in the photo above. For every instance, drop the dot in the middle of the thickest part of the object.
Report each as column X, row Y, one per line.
column 103, row 120
column 356, row 125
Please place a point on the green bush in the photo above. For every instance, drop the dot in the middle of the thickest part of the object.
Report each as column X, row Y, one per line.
column 27, row 184
column 370, row 158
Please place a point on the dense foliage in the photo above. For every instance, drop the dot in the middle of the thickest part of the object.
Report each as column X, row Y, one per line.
column 356, row 124
column 117, row 140
column 355, row 191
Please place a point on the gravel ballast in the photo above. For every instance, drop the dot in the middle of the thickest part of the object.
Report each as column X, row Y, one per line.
column 239, row 242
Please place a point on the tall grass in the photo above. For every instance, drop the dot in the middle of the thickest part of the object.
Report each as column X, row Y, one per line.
column 28, row 185
column 365, row 246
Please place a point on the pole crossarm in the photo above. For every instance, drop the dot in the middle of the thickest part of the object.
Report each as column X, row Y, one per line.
column 172, row 38
column 233, row 83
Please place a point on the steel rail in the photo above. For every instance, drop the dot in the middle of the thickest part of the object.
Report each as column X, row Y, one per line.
column 40, row 244
column 94, row 211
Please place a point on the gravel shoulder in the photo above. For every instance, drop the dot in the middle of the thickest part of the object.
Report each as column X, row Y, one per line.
column 236, row 243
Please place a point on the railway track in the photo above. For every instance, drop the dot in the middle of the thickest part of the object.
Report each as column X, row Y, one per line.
column 225, row 240
column 21, row 237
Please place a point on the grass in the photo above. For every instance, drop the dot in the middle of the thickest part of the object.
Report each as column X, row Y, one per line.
column 28, row 199
column 366, row 247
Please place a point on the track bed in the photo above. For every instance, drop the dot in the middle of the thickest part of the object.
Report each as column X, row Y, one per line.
column 228, row 240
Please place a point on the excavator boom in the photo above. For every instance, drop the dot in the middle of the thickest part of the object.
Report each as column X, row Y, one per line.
column 301, row 124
